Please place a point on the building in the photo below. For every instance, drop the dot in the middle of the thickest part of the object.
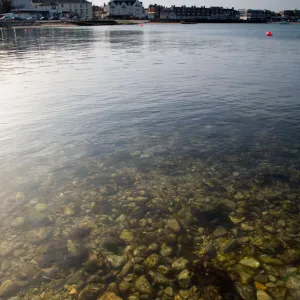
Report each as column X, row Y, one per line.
column 255, row 15
column 53, row 8
column 192, row 13
column 79, row 8
column 125, row 9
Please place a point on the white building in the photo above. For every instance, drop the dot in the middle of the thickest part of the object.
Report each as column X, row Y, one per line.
column 126, row 9
column 80, row 8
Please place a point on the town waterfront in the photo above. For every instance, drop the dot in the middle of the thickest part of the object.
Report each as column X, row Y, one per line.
column 154, row 162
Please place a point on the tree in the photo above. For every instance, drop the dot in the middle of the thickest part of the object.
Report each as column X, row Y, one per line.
column 5, row 7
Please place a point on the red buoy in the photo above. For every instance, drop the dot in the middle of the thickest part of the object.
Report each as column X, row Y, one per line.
column 269, row 33
column 25, row 30
column 142, row 25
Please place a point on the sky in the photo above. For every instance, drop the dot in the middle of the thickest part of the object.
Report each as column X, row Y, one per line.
column 276, row 5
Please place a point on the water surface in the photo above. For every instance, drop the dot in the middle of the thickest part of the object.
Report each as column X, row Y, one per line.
column 114, row 132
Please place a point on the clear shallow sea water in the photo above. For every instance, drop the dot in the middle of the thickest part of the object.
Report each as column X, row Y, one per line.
column 126, row 127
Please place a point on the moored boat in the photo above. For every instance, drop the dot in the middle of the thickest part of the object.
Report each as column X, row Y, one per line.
column 285, row 23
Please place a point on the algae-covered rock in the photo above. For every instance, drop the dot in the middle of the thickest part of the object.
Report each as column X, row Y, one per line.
column 262, row 295
column 180, row 264
column 164, row 269
column 91, row 291
column 125, row 287
column 138, row 269
column 269, row 244
column 184, row 279
column 293, row 282
column 169, row 291
column 143, row 286
column 209, row 251
column 220, row 231
column 271, row 260
column 230, row 246
column 165, row 250
column 127, row 236
column 173, row 225
column 151, row 261
column 40, row 207
column 159, row 279
column 250, row 262
column 109, row 296
column 245, row 275
column 115, row 261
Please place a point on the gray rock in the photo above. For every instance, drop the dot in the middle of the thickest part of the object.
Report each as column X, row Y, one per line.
column 173, row 225
column 19, row 252
column 250, row 262
column 293, row 282
column 6, row 265
column 262, row 278
column 75, row 249
column 50, row 272
column 143, row 286
column 75, row 278
column 229, row 205
column 17, row 222
column 165, row 250
column 38, row 235
column 180, row 264
column 151, row 261
column 5, row 250
column 8, row 287
column 37, row 218
column 25, row 271
column 184, row 279
column 262, row 295
column 230, row 246
column 219, row 232
column 111, row 243
column 40, row 207
column 115, row 261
